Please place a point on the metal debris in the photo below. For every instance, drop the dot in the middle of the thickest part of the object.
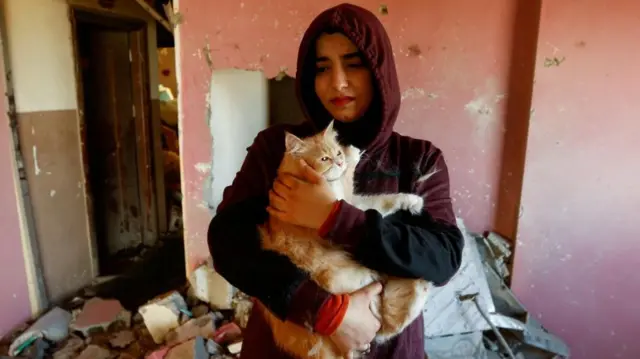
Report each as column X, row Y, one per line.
column 487, row 321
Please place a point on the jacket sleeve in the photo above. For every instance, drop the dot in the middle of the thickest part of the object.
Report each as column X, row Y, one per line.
column 426, row 246
column 235, row 245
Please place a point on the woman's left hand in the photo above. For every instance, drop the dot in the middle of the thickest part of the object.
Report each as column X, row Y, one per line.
column 306, row 201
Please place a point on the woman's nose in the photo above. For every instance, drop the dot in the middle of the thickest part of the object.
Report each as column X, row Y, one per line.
column 339, row 78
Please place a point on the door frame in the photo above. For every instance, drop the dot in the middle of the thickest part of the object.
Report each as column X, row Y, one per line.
column 150, row 185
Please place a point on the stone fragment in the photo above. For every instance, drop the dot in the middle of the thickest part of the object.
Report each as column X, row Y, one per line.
column 70, row 349
column 203, row 327
column 192, row 349
column 122, row 339
column 161, row 315
column 53, row 326
column 210, row 287
column 94, row 352
column 99, row 314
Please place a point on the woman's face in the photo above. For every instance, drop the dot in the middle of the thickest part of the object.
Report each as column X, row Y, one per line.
column 343, row 83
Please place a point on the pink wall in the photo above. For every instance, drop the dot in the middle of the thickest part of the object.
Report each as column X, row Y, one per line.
column 577, row 259
column 453, row 68
column 14, row 296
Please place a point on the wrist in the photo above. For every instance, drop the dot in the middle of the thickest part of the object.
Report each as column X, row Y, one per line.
column 306, row 302
column 331, row 314
column 330, row 219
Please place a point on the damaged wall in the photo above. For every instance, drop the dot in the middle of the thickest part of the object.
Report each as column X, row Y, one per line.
column 15, row 304
column 41, row 58
column 577, row 257
column 452, row 65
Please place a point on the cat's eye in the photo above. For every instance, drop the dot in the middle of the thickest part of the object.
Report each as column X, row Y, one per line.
column 324, row 159
column 339, row 153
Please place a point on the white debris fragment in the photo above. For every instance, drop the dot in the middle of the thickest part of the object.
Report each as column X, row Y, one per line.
column 163, row 315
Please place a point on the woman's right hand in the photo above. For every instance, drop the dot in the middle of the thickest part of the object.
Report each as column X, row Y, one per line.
column 359, row 326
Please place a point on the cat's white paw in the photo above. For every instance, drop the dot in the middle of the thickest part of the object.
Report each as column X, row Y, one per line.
column 412, row 203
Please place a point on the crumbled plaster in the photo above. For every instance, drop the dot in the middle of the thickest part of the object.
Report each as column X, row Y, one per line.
column 482, row 109
column 36, row 166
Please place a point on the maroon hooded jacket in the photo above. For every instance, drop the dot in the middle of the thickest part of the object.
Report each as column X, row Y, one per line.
column 427, row 246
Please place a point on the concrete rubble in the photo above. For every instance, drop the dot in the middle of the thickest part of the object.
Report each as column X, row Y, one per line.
column 173, row 325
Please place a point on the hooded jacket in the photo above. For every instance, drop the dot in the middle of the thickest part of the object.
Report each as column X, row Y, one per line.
column 426, row 246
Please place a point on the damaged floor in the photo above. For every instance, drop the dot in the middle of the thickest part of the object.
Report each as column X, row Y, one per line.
column 149, row 312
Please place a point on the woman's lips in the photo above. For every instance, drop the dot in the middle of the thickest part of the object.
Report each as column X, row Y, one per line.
column 342, row 101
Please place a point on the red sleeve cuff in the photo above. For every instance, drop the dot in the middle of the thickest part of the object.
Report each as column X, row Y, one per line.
column 328, row 223
column 306, row 302
column 331, row 314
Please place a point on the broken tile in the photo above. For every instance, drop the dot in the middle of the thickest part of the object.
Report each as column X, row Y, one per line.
column 70, row 349
column 98, row 314
column 94, row 352
column 162, row 315
column 122, row 339
column 53, row 326
column 203, row 327
column 193, row 349
column 210, row 287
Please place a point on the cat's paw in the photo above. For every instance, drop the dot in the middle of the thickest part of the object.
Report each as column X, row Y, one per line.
column 412, row 203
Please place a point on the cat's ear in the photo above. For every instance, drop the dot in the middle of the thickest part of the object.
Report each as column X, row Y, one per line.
column 292, row 142
column 329, row 131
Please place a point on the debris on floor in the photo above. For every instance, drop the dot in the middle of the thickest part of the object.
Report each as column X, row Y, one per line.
column 485, row 320
column 175, row 324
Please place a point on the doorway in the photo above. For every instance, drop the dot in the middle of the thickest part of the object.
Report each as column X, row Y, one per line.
column 116, row 138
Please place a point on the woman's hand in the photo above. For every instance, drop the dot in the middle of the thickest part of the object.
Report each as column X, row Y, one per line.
column 359, row 326
column 306, row 201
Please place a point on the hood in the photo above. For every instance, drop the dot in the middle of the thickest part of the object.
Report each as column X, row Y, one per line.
column 364, row 29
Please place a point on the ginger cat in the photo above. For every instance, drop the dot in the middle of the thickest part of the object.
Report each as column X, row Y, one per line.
column 331, row 267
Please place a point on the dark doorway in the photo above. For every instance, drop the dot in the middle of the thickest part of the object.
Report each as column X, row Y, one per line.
column 116, row 147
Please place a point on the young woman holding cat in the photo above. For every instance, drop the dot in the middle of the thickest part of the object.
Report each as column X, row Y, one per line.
column 346, row 72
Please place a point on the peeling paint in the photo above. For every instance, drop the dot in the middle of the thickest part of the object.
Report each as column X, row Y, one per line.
column 206, row 50
column 36, row 166
column 553, row 61
column 203, row 167
column 412, row 92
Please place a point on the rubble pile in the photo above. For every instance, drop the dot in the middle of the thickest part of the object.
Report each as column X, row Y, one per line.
column 174, row 325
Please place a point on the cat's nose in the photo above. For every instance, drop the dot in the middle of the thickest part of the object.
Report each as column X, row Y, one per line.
column 339, row 163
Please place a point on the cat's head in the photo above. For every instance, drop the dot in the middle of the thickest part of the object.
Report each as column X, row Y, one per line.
column 322, row 152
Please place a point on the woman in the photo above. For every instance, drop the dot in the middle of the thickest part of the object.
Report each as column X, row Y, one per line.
column 346, row 71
